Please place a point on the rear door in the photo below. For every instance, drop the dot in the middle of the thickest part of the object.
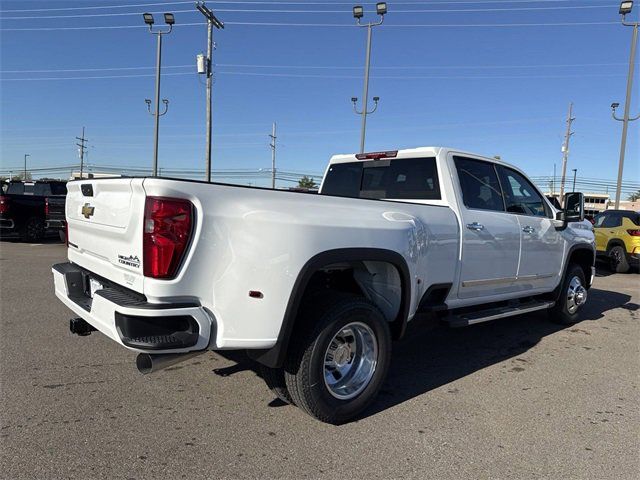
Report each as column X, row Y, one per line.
column 105, row 220
column 490, row 236
column 542, row 246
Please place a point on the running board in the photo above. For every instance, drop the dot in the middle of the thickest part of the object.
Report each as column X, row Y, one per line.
column 472, row 318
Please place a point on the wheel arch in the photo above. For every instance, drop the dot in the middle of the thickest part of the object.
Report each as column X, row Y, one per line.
column 615, row 242
column 274, row 357
column 582, row 255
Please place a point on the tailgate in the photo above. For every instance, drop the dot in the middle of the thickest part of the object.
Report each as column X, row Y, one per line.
column 105, row 219
column 56, row 207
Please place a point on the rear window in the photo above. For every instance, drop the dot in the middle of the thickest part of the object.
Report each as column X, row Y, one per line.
column 15, row 188
column 409, row 179
column 58, row 189
column 634, row 217
column 614, row 219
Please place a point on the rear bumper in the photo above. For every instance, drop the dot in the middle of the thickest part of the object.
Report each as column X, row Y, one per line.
column 6, row 224
column 55, row 224
column 172, row 327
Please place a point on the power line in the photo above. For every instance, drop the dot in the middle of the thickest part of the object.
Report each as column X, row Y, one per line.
column 293, row 75
column 135, row 5
column 328, row 67
column 324, row 12
column 322, row 25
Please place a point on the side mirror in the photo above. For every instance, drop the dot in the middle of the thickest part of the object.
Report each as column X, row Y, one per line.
column 574, row 207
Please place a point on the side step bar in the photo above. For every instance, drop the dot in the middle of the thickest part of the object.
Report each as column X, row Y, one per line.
column 472, row 318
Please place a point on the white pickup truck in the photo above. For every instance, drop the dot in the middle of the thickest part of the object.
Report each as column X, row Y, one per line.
column 316, row 286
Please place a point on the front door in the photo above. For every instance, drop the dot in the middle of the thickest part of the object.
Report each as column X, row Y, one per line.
column 542, row 246
column 490, row 235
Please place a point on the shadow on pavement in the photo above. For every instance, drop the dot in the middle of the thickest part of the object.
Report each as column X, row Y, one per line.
column 432, row 354
column 426, row 360
column 49, row 239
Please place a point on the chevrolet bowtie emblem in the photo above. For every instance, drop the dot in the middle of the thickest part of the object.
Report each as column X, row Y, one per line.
column 87, row 210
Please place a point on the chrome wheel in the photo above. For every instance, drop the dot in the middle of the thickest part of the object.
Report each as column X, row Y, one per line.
column 576, row 295
column 350, row 360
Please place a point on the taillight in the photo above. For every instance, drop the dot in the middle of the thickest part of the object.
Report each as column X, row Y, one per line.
column 46, row 207
column 167, row 231
column 634, row 233
column 4, row 204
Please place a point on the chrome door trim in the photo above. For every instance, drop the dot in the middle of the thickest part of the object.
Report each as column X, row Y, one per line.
column 497, row 281
column 488, row 281
column 535, row 277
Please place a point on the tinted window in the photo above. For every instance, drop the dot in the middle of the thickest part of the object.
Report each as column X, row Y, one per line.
column 411, row 178
column 611, row 220
column 28, row 188
column 16, row 188
column 41, row 189
column 520, row 195
column 343, row 180
column 58, row 189
column 634, row 217
column 479, row 184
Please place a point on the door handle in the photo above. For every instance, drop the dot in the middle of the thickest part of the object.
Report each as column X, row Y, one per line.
column 475, row 226
column 528, row 229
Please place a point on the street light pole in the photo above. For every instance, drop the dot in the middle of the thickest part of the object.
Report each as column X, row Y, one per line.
column 212, row 21
column 365, row 93
column 358, row 13
column 169, row 20
column 625, row 8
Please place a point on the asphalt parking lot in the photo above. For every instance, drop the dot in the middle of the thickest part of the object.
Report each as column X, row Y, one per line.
column 516, row 398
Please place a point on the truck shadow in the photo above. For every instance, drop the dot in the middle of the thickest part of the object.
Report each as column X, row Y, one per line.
column 433, row 355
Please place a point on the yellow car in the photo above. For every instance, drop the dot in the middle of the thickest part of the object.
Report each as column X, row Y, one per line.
column 618, row 238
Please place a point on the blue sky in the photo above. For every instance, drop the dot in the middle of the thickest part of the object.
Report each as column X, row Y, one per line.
column 487, row 88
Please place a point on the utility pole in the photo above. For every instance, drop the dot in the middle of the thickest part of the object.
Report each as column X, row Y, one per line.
column 81, row 151
column 625, row 9
column 273, row 155
column 212, row 21
column 553, row 182
column 565, row 151
column 25, row 166
column 575, row 171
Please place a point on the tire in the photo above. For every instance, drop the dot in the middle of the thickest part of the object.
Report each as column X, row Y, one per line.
column 339, row 359
column 573, row 296
column 618, row 261
column 33, row 230
column 274, row 378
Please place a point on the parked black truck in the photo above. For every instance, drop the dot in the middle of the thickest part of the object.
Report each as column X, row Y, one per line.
column 30, row 209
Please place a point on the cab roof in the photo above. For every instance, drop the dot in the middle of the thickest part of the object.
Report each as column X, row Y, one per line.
column 412, row 153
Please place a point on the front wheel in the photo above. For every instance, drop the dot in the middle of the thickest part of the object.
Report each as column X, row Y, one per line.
column 572, row 297
column 335, row 370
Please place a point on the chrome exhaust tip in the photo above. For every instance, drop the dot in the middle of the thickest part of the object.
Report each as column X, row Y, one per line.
column 151, row 362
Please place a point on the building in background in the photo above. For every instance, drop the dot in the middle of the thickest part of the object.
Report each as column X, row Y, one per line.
column 595, row 203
